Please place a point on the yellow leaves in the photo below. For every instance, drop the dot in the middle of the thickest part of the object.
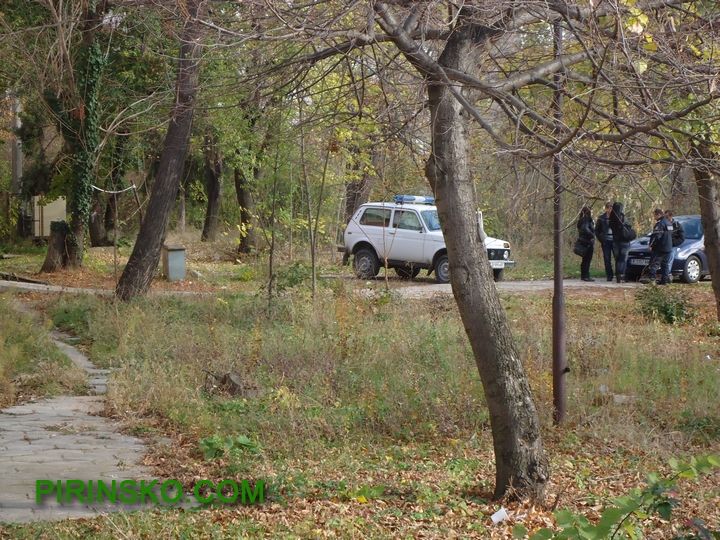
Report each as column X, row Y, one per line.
column 286, row 399
column 637, row 21
column 640, row 66
column 361, row 499
column 649, row 44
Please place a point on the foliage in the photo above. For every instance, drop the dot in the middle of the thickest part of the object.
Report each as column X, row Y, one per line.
column 664, row 304
column 622, row 518
column 292, row 275
column 217, row 446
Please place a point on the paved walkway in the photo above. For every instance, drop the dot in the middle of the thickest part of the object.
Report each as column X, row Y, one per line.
column 63, row 438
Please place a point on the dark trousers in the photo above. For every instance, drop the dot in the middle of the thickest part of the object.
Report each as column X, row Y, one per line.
column 620, row 251
column 585, row 264
column 607, row 248
column 661, row 261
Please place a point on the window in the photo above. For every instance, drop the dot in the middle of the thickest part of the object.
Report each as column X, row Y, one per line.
column 407, row 219
column 376, row 217
column 693, row 228
column 431, row 219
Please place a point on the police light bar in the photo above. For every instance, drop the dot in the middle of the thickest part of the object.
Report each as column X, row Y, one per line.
column 413, row 199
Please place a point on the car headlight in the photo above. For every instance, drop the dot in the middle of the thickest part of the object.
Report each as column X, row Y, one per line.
column 684, row 254
column 506, row 254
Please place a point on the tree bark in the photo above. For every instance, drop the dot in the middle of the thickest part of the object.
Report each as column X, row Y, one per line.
column 145, row 257
column 213, row 186
column 521, row 465
column 709, row 195
column 358, row 191
column 111, row 209
column 96, row 227
column 247, row 209
column 57, row 253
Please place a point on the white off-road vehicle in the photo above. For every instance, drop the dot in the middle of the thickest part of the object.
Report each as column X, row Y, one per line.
column 405, row 235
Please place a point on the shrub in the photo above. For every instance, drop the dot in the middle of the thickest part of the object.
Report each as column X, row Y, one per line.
column 664, row 304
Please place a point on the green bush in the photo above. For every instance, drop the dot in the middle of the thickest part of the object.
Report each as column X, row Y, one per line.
column 623, row 519
column 664, row 304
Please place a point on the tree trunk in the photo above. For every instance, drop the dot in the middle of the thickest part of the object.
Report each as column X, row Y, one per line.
column 111, row 209
column 145, row 257
column 80, row 126
column 247, row 209
column 358, row 191
column 96, row 228
column 521, row 465
column 213, row 186
column 57, row 253
column 709, row 195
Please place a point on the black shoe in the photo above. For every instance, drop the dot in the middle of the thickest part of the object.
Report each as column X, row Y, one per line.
column 610, row 278
column 621, row 279
column 588, row 279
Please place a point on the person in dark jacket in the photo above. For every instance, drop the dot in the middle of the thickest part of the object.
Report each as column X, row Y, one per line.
column 678, row 237
column 586, row 232
column 620, row 247
column 603, row 232
column 660, row 247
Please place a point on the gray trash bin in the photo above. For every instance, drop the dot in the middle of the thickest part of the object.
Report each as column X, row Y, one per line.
column 173, row 259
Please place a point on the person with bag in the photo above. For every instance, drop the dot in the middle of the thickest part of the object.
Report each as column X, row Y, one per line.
column 603, row 233
column 623, row 234
column 661, row 247
column 678, row 237
column 586, row 239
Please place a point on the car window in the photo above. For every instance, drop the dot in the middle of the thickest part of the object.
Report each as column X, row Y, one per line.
column 431, row 219
column 406, row 219
column 375, row 217
column 693, row 228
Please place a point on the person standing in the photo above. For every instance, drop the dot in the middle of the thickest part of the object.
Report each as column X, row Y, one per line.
column 661, row 247
column 586, row 231
column 678, row 237
column 605, row 236
column 621, row 248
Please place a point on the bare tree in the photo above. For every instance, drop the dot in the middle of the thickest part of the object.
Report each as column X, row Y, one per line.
column 140, row 270
column 491, row 63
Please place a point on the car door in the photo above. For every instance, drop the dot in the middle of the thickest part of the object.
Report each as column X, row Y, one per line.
column 373, row 222
column 405, row 238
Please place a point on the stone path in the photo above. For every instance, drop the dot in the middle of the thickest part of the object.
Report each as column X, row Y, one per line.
column 63, row 438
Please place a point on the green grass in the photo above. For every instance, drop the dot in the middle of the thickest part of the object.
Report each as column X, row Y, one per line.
column 378, row 399
column 30, row 364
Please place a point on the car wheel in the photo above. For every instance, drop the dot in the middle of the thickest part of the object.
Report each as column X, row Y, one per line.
column 499, row 274
column 442, row 269
column 692, row 270
column 367, row 264
column 407, row 272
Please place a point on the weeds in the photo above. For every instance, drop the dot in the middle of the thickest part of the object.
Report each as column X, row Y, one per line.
column 664, row 304
column 30, row 364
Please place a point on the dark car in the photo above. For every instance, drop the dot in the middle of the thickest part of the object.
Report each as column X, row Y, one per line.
column 690, row 262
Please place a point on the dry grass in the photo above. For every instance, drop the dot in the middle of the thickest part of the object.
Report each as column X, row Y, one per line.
column 352, row 394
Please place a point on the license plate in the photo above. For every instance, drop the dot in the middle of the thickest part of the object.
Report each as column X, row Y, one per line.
column 497, row 264
column 643, row 262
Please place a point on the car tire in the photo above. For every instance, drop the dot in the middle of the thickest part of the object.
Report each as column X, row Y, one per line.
column 407, row 272
column 499, row 274
column 692, row 270
column 367, row 264
column 442, row 269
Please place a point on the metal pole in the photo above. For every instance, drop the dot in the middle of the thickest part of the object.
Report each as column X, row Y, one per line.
column 558, row 306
